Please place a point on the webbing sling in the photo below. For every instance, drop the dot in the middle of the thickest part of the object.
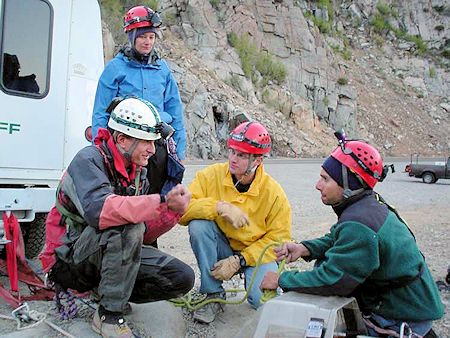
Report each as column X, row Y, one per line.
column 77, row 221
column 71, row 218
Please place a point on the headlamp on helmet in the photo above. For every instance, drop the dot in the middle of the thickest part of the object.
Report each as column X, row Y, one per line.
column 361, row 158
column 141, row 16
column 166, row 130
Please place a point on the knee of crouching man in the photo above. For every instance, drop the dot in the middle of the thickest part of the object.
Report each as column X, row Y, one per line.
column 199, row 227
column 134, row 233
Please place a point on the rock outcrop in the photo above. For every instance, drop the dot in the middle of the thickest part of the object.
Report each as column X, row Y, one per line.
column 386, row 81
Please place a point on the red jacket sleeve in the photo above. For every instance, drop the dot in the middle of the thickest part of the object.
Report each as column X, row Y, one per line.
column 159, row 225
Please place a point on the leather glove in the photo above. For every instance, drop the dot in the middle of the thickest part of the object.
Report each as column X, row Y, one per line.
column 226, row 268
column 232, row 214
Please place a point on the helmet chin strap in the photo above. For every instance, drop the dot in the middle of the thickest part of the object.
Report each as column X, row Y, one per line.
column 250, row 169
column 127, row 153
column 347, row 191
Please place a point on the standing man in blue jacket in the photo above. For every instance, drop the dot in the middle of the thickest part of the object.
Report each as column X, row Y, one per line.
column 137, row 70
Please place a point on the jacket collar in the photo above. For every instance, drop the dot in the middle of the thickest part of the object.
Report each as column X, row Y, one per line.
column 104, row 138
column 129, row 55
column 339, row 208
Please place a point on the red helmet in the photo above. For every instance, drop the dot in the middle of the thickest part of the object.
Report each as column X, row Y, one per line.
column 140, row 16
column 363, row 159
column 251, row 138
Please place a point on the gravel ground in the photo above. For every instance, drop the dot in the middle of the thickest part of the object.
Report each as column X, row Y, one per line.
column 425, row 207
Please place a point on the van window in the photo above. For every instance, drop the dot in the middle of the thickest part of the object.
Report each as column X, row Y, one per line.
column 25, row 47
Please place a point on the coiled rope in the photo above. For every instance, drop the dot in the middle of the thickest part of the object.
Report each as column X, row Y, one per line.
column 191, row 304
column 27, row 318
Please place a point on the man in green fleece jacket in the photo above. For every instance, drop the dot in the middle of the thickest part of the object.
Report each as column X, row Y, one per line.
column 369, row 254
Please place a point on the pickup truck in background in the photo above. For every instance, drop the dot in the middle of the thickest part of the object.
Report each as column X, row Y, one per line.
column 429, row 172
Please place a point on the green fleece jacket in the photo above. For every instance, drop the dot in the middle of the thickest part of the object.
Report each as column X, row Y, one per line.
column 365, row 252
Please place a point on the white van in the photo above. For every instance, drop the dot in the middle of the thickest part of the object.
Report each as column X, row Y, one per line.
column 51, row 59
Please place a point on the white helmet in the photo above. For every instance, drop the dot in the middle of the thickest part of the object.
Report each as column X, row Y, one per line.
column 137, row 118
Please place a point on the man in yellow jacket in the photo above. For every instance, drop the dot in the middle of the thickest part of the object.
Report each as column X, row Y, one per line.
column 236, row 210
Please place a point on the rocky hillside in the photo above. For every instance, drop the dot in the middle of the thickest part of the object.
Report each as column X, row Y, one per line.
column 305, row 68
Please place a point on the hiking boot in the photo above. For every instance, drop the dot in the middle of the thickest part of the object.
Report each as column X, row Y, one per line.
column 110, row 325
column 207, row 314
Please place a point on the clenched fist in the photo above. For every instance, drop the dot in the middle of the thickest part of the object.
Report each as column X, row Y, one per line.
column 232, row 214
column 178, row 198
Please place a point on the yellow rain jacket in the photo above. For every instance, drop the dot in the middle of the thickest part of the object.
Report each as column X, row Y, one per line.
column 265, row 203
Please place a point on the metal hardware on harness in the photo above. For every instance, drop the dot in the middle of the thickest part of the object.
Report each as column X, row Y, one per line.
column 26, row 318
column 23, row 312
column 404, row 328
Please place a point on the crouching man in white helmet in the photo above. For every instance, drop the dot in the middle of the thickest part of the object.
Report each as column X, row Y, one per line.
column 102, row 198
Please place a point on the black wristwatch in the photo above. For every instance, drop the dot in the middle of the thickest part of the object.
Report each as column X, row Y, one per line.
column 242, row 261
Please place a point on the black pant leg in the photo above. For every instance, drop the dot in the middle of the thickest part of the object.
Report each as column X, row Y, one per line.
column 161, row 277
column 81, row 277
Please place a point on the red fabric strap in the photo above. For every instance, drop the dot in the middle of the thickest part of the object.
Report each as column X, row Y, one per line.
column 54, row 233
column 12, row 230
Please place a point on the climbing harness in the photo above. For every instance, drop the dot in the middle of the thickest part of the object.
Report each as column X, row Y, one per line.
column 405, row 330
column 27, row 318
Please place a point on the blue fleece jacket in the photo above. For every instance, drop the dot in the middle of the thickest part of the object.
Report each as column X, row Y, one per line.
column 153, row 82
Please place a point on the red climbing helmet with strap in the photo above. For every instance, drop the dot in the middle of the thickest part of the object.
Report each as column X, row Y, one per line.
column 250, row 137
column 361, row 158
column 140, row 16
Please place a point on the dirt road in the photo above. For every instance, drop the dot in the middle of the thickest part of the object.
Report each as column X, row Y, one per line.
column 425, row 207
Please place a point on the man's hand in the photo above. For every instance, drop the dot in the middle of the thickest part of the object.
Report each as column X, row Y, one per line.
column 226, row 268
column 232, row 214
column 178, row 198
column 270, row 281
column 291, row 252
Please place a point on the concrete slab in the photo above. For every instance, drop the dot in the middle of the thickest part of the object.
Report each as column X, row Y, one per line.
column 158, row 319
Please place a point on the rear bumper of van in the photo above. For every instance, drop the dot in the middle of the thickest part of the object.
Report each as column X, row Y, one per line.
column 25, row 202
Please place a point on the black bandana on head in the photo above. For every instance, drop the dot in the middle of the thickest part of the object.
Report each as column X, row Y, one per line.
column 334, row 168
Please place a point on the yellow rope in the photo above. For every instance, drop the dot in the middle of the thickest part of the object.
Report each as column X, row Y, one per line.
column 269, row 294
column 192, row 305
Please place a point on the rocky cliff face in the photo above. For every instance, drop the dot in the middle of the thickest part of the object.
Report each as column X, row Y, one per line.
column 379, row 70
